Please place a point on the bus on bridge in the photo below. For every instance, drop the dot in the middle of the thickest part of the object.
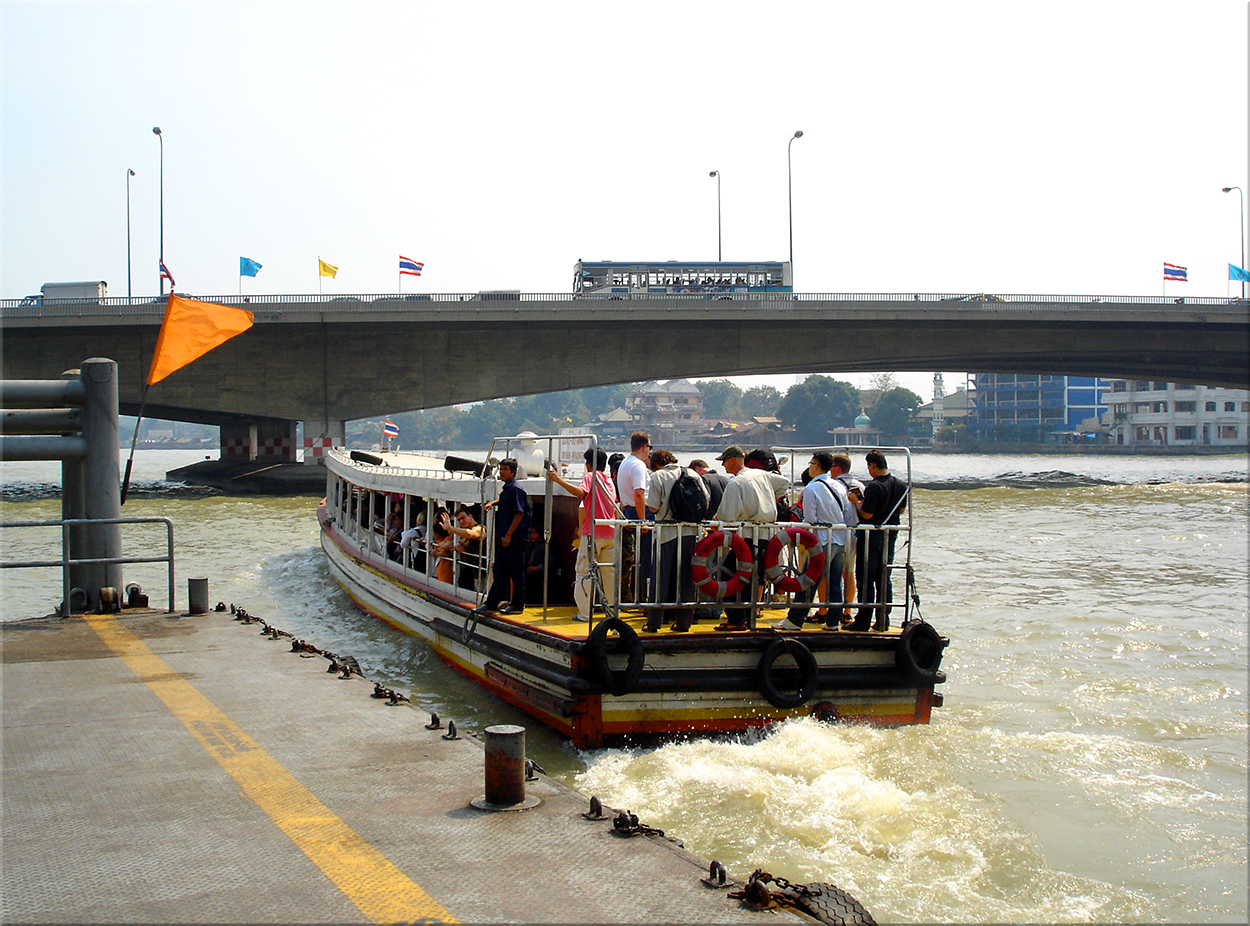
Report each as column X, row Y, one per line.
column 606, row 279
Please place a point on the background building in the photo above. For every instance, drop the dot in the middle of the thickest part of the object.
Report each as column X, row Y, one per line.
column 1033, row 408
column 671, row 412
column 1153, row 414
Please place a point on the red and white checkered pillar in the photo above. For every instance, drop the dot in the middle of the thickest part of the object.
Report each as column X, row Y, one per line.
column 267, row 440
column 320, row 436
column 238, row 441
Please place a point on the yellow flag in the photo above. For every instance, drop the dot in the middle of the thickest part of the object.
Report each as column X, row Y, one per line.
column 190, row 330
column 327, row 270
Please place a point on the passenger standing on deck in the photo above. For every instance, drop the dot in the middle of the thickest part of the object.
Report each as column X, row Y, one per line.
column 535, row 566
column 673, row 580
column 714, row 481
column 854, row 491
column 824, row 503
column 632, row 481
column 598, row 489
column 512, row 525
column 751, row 495
column 885, row 499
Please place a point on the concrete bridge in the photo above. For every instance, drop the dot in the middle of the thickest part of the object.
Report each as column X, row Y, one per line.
column 326, row 360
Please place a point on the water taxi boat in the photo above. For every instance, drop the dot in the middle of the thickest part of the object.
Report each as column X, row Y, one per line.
column 606, row 681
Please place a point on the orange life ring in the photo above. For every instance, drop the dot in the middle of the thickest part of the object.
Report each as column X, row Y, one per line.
column 776, row 573
column 708, row 582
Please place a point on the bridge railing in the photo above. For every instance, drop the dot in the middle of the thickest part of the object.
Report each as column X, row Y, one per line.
column 154, row 308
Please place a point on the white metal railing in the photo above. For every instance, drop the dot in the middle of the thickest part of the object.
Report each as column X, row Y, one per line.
column 65, row 562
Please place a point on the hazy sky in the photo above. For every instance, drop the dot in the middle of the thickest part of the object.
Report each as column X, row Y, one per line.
column 1058, row 147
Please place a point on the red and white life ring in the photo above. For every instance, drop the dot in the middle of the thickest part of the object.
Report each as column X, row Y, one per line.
column 776, row 573
column 708, row 582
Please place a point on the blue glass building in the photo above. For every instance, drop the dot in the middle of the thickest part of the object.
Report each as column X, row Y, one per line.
column 1030, row 407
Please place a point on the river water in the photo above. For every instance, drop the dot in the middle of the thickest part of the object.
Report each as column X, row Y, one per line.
column 1090, row 762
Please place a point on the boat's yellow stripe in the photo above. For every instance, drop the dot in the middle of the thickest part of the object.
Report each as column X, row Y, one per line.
column 383, row 893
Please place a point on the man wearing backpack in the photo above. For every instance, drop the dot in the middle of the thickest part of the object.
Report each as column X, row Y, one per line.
column 679, row 498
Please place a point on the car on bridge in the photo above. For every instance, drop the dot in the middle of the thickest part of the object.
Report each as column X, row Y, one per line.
column 976, row 297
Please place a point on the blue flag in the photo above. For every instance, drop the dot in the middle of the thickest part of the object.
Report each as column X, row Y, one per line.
column 247, row 267
column 1236, row 273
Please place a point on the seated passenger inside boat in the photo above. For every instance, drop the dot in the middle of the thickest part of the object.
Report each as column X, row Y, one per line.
column 440, row 548
column 469, row 536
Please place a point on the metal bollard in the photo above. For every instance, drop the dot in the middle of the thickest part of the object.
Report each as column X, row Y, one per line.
column 505, row 764
column 197, row 596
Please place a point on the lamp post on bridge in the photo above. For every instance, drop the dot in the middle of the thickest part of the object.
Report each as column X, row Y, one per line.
column 790, row 188
column 716, row 174
column 156, row 130
column 1242, row 228
column 129, row 173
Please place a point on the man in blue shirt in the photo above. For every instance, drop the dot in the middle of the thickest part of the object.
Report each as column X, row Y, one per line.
column 512, row 525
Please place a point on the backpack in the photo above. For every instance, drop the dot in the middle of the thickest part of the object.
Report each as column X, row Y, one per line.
column 788, row 512
column 688, row 500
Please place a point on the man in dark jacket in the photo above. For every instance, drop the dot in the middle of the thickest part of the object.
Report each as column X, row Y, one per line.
column 885, row 499
column 714, row 481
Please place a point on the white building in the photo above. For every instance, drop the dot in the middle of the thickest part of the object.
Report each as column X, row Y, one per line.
column 1153, row 414
column 673, row 410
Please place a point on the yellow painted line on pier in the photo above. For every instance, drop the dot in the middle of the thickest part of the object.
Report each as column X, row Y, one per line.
column 382, row 892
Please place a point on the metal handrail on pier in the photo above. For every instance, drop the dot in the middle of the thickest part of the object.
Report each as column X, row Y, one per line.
column 65, row 561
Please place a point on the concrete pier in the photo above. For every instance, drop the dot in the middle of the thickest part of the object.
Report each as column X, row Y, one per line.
column 176, row 768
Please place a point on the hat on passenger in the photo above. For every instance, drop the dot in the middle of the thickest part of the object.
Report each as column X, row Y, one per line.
column 763, row 459
column 734, row 451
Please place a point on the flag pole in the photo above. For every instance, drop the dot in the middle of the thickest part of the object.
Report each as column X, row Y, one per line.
column 133, row 441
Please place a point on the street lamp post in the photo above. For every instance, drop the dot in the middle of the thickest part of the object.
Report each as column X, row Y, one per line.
column 1242, row 227
column 790, row 179
column 716, row 174
column 129, row 173
column 156, row 130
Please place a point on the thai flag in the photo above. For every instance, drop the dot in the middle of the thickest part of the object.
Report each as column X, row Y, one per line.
column 166, row 275
column 390, row 428
column 410, row 266
column 1173, row 272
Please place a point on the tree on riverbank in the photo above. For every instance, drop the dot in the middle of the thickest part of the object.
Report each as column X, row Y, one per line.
column 817, row 404
column 892, row 412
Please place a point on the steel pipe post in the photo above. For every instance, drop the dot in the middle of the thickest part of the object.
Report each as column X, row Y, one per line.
column 101, row 475
column 505, row 764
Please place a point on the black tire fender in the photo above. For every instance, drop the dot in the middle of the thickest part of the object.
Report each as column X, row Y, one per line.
column 596, row 649
column 919, row 654
column 809, row 673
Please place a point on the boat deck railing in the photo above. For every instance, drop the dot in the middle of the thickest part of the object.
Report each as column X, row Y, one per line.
column 779, row 551
column 641, row 590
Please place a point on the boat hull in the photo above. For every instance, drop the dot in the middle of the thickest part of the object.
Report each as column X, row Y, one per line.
column 690, row 684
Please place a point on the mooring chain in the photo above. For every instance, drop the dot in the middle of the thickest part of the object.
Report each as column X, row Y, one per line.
column 758, row 893
column 626, row 824
column 346, row 666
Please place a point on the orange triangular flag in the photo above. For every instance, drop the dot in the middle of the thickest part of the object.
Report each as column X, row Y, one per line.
column 190, row 330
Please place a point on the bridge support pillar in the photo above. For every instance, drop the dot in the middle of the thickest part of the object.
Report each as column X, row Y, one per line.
column 265, row 440
column 320, row 436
